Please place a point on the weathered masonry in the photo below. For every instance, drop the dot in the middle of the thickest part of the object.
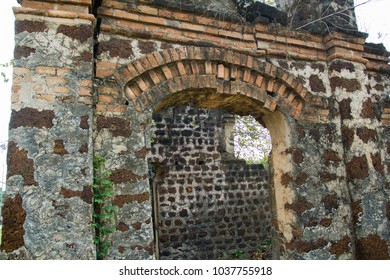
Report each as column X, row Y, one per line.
column 207, row 203
column 90, row 75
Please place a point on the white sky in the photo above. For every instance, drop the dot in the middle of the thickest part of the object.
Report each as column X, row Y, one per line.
column 373, row 18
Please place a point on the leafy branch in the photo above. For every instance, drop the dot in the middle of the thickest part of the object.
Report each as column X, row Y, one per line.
column 104, row 214
column 2, row 73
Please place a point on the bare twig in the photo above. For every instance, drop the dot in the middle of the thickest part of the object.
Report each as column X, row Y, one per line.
column 333, row 14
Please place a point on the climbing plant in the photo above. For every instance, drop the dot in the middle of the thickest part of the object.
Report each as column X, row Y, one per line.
column 104, row 213
column 3, row 68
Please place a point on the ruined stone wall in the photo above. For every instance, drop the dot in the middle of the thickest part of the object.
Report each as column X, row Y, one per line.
column 82, row 89
column 48, row 207
column 205, row 207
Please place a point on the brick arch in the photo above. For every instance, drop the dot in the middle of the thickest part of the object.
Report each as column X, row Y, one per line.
column 153, row 78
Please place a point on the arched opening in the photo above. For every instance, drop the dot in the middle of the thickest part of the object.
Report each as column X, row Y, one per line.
column 236, row 83
column 207, row 204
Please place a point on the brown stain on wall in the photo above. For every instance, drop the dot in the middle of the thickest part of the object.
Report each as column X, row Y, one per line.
column 331, row 157
column 14, row 217
column 85, row 194
column 316, row 84
column 372, row 247
column 117, row 126
column 366, row 134
column 29, row 26
column 342, row 246
column 124, row 176
column 121, row 200
column 116, row 47
column 300, row 205
column 81, row 32
column 330, row 202
column 19, row 164
column 348, row 135
column 22, row 51
column 28, row 117
column 301, row 246
column 357, row 168
column 339, row 65
column 368, row 110
column 345, row 109
column 59, row 147
column 84, row 122
column 350, row 85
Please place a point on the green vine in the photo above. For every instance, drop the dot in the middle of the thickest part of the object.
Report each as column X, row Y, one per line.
column 103, row 213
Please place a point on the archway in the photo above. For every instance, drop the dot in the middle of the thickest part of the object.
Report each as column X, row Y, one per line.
column 207, row 203
column 240, row 84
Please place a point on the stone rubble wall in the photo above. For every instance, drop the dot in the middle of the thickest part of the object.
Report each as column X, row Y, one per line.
column 84, row 87
column 206, row 206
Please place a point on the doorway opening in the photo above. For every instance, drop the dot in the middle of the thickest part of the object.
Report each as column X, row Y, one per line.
column 208, row 204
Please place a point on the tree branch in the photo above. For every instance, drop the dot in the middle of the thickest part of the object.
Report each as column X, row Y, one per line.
column 333, row 14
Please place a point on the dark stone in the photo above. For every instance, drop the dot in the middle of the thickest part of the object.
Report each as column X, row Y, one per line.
column 372, row 247
column 29, row 26
column 350, row 85
column 124, row 176
column 84, row 149
column 345, row 109
column 85, row 56
column 59, row 147
column 116, row 47
column 366, row 134
column 377, row 163
column 21, row 51
column 300, row 205
column 368, row 110
column 286, row 179
column 141, row 153
column 14, row 217
column 29, row 117
column 121, row 200
column 137, row 225
column 117, row 126
column 330, row 202
column 81, row 32
column 301, row 246
column 84, row 122
column 357, row 168
column 330, row 157
column 342, row 246
column 327, row 177
column 326, row 222
column 347, row 135
column 85, row 194
column 301, row 179
column 338, row 65
column 146, row 47
column 19, row 164
column 316, row 84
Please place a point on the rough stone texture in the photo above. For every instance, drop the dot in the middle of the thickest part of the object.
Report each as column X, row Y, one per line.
column 49, row 198
column 323, row 98
column 206, row 206
column 13, row 214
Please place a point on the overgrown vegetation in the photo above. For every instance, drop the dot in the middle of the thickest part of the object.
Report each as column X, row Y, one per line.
column 264, row 252
column 252, row 141
column 104, row 213
column 3, row 74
